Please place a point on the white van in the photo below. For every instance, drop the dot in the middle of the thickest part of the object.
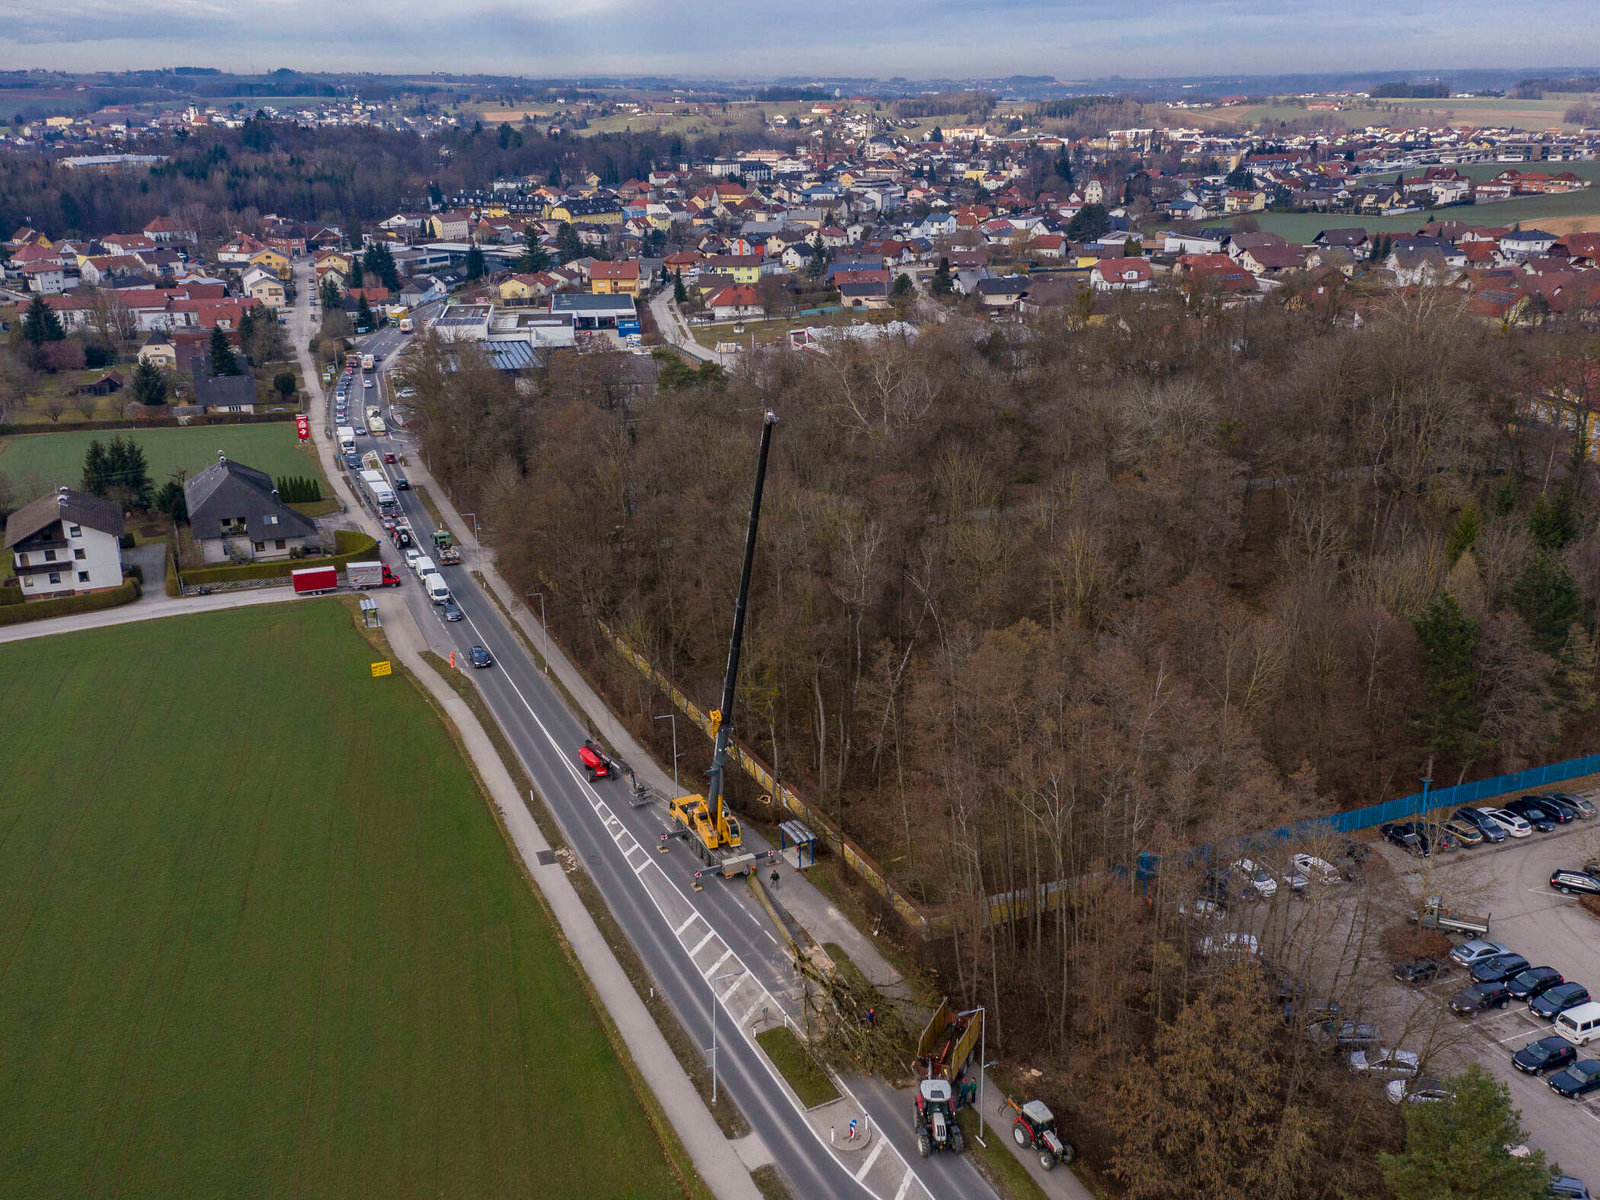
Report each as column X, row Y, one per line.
column 1580, row 1025
column 424, row 566
column 438, row 589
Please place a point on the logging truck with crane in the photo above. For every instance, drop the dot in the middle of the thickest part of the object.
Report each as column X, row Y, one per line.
column 704, row 820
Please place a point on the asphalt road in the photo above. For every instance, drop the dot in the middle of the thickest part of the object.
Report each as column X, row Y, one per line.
column 686, row 939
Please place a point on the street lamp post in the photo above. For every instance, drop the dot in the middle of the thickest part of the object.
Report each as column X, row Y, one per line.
column 673, row 717
column 718, row 979
column 544, row 626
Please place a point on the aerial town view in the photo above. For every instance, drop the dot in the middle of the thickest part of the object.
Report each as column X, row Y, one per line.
column 934, row 602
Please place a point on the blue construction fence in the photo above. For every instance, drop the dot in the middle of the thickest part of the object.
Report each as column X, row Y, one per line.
column 1406, row 808
column 1409, row 807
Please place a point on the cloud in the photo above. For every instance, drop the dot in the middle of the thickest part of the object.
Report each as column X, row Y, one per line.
column 1067, row 38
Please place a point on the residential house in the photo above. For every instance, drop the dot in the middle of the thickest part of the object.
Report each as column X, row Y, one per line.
column 264, row 286
column 1003, row 292
column 64, row 544
column 1121, row 275
column 616, row 279
column 275, row 261
column 235, row 512
column 158, row 348
column 742, row 268
column 735, row 302
column 166, row 231
column 222, row 393
column 452, row 226
column 240, row 250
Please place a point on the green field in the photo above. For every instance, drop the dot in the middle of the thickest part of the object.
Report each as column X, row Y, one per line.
column 40, row 461
column 260, row 936
column 1302, row 227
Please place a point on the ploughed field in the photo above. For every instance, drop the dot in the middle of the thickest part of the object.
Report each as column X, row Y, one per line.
column 260, row 936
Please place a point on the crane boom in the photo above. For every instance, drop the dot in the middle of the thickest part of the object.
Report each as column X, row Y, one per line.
column 724, row 714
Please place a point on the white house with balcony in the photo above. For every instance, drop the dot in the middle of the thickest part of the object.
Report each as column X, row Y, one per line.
column 64, row 544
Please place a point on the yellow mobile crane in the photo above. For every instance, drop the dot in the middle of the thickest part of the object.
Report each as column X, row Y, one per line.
column 705, row 820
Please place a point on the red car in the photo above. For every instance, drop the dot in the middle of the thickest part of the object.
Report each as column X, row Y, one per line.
column 388, row 456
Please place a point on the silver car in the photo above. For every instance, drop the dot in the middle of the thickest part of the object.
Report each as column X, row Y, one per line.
column 1471, row 953
column 1385, row 1064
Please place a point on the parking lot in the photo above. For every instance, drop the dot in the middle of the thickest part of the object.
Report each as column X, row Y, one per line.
column 1509, row 883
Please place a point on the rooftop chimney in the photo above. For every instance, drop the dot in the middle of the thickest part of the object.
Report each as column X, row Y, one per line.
column 61, row 496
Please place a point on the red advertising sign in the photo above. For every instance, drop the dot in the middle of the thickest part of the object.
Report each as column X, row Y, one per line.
column 302, row 426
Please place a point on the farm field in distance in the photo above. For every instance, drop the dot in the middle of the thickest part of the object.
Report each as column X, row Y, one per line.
column 37, row 462
column 260, row 935
column 1574, row 210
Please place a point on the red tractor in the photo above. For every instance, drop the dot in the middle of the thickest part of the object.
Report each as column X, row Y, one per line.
column 594, row 761
column 1035, row 1128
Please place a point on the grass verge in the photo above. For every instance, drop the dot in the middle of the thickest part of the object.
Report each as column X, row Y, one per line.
column 770, row 1183
column 429, row 504
column 809, row 1081
column 996, row 1163
column 684, row 1049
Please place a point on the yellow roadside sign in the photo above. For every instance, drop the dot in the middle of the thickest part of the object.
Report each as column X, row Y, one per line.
column 380, row 668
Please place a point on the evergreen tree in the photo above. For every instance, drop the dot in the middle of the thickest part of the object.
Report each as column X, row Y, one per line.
column 127, row 474
column 1449, row 721
column 1090, row 222
column 1064, row 168
column 474, row 263
column 40, row 323
column 943, row 285
column 1459, row 1148
column 1553, row 521
column 1464, row 533
column 329, row 291
column 171, row 501
column 568, row 247
column 223, row 359
column 149, row 384
column 680, row 294
column 358, row 275
column 95, row 480
column 284, row 384
column 535, row 257
column 1549, row 599
column 365, row 318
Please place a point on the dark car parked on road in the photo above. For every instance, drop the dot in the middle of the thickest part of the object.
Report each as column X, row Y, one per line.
column 1534, row 980
column 1474, row 999
column 1491, row 831
column 1579, row 1079
column 1499, row 968
column 1404, row 835
column 1418, row 970
column 1533, row 813
column 1558, row 999
column 1567, row 882
column 1546, row 1054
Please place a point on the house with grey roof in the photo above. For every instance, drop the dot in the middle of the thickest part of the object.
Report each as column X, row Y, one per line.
column 65, row 543
column 235, row 513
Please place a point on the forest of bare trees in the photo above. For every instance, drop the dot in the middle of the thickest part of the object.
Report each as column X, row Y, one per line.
column 1033, row 599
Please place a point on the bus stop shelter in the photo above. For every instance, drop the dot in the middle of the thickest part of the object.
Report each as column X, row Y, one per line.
column 797, row 845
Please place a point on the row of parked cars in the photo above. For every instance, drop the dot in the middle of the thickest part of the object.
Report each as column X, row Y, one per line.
column 1476, row 826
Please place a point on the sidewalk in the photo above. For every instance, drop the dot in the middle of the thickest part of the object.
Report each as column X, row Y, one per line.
column 713, row 1154
column 808, row 906
column 151, row 606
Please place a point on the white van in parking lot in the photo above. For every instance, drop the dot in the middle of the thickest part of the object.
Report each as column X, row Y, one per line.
column 1580, row 1025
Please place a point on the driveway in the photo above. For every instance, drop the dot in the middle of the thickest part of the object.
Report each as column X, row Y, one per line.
column 152, row 563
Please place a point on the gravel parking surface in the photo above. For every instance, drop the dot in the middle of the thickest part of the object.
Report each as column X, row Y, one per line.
column 1510, row 883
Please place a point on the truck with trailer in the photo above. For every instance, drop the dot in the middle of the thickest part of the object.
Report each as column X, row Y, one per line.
column 370, row 575
column 376, row 486
column 313, row 581
column 1434, row 914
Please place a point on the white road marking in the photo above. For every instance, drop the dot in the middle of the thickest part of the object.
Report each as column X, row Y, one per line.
column 905, row 1184
column 872, row 1157
column 678, row 932
column 750, row 1012
column 712, row 970
column 700, row 945
column 770, row 938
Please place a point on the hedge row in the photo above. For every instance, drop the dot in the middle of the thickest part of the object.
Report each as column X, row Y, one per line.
column 174, row 588
column 39, row 610
column 349, row 546
column 6, row 430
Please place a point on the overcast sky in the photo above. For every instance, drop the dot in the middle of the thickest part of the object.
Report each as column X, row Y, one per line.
column 760, row 39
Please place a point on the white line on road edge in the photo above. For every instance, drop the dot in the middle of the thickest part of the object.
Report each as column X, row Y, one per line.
column 782, row 1085
column 872, row 1157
